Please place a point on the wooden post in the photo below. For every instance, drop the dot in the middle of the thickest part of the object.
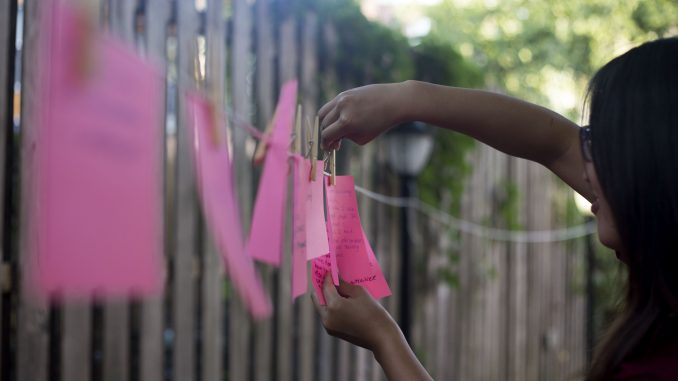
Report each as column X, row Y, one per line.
column 7, row 59
column 117, row 313
column 239, row 324
column 152, row 322
column 186, row 207
column 288, row 71
column 263, row 330
column 32, row 315
column 212, row 270
column 309, row 85
column 517, row 302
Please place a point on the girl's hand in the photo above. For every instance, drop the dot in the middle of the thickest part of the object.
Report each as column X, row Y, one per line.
column 353, row 315
column 362, row 114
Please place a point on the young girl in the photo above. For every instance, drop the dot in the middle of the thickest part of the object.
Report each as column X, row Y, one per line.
column 625, row 162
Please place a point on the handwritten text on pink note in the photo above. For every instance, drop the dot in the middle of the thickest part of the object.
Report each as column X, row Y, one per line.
column 215, row 183
column 98, row 194
column 266, row 234
column 301, row 187
column 316, row 233
column 319, row 269
column 347, row 239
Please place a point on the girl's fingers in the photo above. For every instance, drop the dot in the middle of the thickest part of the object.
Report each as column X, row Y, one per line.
column 326, row 109
column 330, row 118
column 316, row 303
column 348, row 290
column 330, row 292
column 331, row 136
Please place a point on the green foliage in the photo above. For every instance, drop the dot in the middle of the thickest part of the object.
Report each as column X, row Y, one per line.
column 508, row 205
column 449, row 276
column 366, row 52
column 436, row 61
column 545, row 51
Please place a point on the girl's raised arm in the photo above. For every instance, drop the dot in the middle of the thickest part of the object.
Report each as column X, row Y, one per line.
column 515, row 127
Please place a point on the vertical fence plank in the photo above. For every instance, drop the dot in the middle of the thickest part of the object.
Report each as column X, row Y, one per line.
column 287, row 69
column 116, row 365
column 265, row 53
column 309, row 85
column 152, row 322
column 32, row 323
column 76, row 318
column 239, row 324
column 7, row 34
column 517, row 280
column 186, row 244
column 212, row 279
column 75, row 342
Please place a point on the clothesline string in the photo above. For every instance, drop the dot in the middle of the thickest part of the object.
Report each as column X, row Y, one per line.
column 455, row 223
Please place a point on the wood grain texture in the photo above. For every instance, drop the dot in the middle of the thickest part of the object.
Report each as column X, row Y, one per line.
column 152, row 322
column 7, row 59
column 309, row 88
column 240, row 63
column 284, row 325
column 212, row 265
column 32, row 315
column 185, row 248
column 265, row 98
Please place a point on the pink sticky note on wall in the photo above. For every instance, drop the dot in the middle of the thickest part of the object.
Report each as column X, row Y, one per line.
column 348, row 241
column 97, row 220
column 301, row 189
column 215, row 183
column 317, row 243
column 266, row 234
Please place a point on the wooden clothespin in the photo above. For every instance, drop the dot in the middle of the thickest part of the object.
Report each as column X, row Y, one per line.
column 333, row 167
column 85, row 52
column 314, row 147
column 260, row 152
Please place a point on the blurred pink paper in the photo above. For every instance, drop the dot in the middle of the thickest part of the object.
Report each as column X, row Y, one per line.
column 98, row 182
column 348, row 241
column 266, row 234
column 316, row 233
column 301, row 188
column 215, row 183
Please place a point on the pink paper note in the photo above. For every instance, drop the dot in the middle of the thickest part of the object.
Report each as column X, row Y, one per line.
column 266, row 234
column 319, row 268
column 97, row 222
column 348, row 241
column 215, row 183
column 334, row 268
column 301, row 187
column 316, row 233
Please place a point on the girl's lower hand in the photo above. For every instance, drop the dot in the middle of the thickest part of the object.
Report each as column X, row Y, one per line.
column 353, row 315
column 363, row 113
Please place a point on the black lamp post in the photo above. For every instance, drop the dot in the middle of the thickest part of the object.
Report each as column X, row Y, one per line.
column 409, row 148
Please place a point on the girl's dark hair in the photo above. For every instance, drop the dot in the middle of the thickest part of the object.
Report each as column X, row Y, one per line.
column 634, row 134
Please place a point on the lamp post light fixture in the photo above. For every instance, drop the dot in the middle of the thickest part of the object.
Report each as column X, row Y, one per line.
column 409, row 147
column 584, row 208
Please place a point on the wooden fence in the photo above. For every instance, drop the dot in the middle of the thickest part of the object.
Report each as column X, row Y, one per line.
column 516, row 313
